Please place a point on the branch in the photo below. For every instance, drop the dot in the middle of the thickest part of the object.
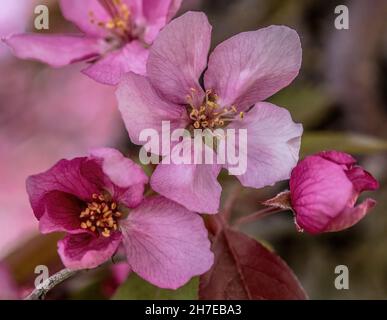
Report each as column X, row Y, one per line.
column 40, row 292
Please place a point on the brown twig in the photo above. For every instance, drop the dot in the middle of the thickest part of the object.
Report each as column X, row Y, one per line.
column 40, row 292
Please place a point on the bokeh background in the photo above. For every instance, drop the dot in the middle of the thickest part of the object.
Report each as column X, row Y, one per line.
column 340, row 97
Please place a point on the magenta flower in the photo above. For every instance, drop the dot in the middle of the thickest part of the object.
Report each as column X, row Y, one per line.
column 116, row 35
column 324, row 189
column 98, row 201
column 241, row 72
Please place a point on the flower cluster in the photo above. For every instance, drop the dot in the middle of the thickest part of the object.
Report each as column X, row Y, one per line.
column 164, row 74
column 115, row 36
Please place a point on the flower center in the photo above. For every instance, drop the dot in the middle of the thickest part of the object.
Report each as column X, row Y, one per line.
column 100, row 216
column 120, row 24
column 209, row 114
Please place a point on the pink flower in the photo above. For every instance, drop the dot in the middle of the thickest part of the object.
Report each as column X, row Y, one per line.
column 116, row 34
column 241, row 72
column 32, row 139
column 324, row 189
column 89, row 197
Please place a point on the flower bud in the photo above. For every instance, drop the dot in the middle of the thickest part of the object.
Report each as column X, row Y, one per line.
column 324, row 189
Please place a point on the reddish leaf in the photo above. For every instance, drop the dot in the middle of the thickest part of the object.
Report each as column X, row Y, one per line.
column 244, row 269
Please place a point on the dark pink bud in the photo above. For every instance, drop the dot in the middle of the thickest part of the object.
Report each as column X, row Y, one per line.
column 324, row 189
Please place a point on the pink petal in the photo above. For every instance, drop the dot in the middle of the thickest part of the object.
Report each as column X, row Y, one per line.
column 66, row 176
column 110, row 69
column 362, row 180
column 165, row 243
column 252, row 66
column 194, row 186
column 57, row 51
column 86, row 251
column 78, row 12
column 350, row 216
column 126, row 179
column 179, row 56
column 338, row 157
column 142, row 108
column 173, row 8
column 273, row 144
column 320, row 191
column 157, row 14
column 156, row 10
column 120, row 272
column 62, row 212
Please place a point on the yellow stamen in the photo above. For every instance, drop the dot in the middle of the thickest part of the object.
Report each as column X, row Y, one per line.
column 100, row 216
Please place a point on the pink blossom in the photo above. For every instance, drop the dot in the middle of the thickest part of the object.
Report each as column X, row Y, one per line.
column 32, row 138
column 324, row 189
column 98, row 201
column 115, row 38
column 241, row 72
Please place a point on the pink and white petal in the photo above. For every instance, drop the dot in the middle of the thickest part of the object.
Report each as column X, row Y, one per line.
column 65, row 176
column 179, row 56
column 126, row 179
column 165, row 243
column 338, row 157
column 350, row 216
column 362, row 180
column 312, row 183
column 57, row 51
column 142, row 109
column 81, row 13
column 252, row 66
column 273, row 145
column 86, row 251
column 111, row 68
column 192, row 185
column 62, row 212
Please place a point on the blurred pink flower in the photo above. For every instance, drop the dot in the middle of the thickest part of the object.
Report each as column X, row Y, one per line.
column 13, row 18
column 116, row 35
column 44, row 115
column 87, row 198
column 242, row 71
column 8, row 288
column 324, row 189
column 119, row 273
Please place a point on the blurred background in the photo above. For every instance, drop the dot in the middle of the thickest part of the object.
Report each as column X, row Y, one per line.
column 340, row 97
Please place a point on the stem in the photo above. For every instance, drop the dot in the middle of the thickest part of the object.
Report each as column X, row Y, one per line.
column 257, row 215
column 226, row 212
column 51, row 282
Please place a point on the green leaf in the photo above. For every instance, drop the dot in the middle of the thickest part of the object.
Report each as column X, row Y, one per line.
column 136, row 288
column 307, row 105
column 348, row 142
